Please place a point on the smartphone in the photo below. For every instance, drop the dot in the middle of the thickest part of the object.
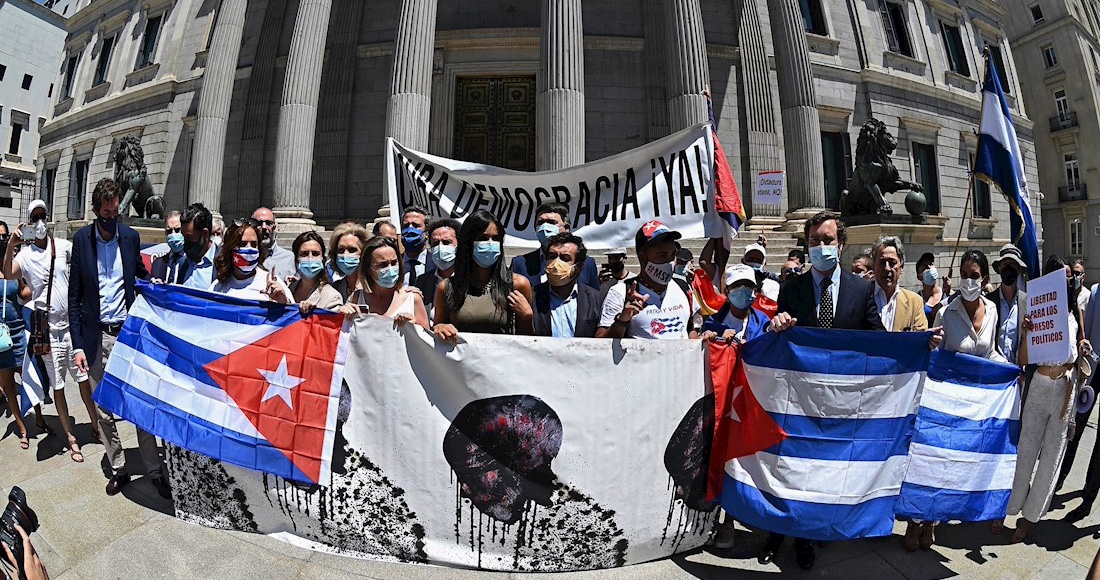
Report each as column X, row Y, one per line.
column 28, row 232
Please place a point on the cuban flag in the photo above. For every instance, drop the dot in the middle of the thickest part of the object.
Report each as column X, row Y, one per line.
column 727, row 198
column 819, row 425
column 999, row 163
column 963, row 456
column 249, row 383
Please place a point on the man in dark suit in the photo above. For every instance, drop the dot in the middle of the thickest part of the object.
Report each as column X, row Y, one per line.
column 550, row 220
column 106, row 261
column 171, row 267
column 825, row 297
column 563, row 307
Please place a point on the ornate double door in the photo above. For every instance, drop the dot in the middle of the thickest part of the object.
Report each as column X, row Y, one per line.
column 495, row 121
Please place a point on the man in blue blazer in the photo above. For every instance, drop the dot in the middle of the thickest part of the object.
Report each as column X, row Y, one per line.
column 563, row 307
column 550, row 220
column 106, row 262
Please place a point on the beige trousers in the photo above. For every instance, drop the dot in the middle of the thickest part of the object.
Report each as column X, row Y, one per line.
column 1043, row 440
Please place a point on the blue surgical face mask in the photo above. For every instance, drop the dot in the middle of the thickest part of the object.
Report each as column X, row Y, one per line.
column 413, row 237
column 310, row 268
column 486, row 253
column 930, row 276
column 741, row 297
column 546, row 231
column 824, row 258
column 175, row 241
column 387, row 277
column 347, row 264
column 444, row 256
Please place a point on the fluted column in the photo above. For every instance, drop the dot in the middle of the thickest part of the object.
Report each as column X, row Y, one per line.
column 409, row 107
column 214, row 103
column 560, row 101
column 688, row 75
column 298, row 113
column 798, row 107
column 757, row 118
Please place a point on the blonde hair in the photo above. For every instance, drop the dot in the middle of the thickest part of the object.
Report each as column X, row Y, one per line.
column 346, row 229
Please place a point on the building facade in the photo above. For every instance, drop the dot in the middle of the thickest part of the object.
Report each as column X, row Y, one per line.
column 1056, row 51
column 31, row 38
column 297, row 96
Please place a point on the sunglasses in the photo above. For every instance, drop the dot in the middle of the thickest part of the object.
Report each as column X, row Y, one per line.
column 246, row 221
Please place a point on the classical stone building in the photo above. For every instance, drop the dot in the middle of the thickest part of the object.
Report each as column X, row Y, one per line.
column 287, row 102
column 1056, row 51
column 31, row 37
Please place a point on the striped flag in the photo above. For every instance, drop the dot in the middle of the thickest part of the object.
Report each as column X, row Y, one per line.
column 846, row 402
column 727, row 198
column 999, row 163
column 963, row 456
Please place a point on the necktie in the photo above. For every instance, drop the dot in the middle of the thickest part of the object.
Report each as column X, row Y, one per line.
column 412, row 272
column 825, row 309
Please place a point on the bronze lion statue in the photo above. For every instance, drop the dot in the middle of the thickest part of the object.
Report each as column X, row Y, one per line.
column 875, row 175
column 133, row 181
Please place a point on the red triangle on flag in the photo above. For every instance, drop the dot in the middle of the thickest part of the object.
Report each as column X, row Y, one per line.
column 283, row 384
column 742, row 427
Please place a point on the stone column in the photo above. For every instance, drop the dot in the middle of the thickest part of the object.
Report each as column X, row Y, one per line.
column 688, row 74
column 798, row 107
column 560, row 101
column 214, row 102
column 298, row 113
column 409, row 107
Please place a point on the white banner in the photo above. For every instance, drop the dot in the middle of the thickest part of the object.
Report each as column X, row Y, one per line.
column 670, row 180
column 504, row 453
column 1047, row 305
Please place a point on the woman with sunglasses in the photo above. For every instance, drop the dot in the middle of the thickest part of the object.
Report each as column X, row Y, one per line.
column 237, row 268
column 346, row 253
column 482, row 295
column 383, row 291
column 311, row 288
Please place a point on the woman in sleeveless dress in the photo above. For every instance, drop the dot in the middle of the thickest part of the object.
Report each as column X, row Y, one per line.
column 383, row 291
column 11, row 360
column 482, row 295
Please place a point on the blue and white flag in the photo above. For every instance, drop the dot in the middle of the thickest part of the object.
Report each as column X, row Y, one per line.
column 1000, row 163
column 33, row 380
column 249, row 383
column 847, row 403
column 963, row 456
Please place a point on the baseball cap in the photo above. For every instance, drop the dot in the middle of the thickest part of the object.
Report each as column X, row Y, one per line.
column 653, row 232
column 756, row 248
column 37, row 204
column 739, row 272
column 684, row 255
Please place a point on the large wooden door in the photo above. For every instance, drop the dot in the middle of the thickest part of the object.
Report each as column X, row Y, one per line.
column 495, row 121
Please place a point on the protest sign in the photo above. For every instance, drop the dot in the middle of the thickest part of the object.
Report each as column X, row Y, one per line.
column 769, row 188
column 1049, row 340
column 670, row 180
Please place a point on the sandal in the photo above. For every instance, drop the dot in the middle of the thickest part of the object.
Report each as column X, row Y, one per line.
column 24, row 442
column 998, row 527
column 75, row 454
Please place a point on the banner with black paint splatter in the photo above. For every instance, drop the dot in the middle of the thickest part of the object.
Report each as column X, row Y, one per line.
column 501, row 453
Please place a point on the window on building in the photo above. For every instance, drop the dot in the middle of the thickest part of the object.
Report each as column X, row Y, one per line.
column 895, row 25
column 3, row 69
column 16, row 137
column 1036, row 13
column 998, row 61
column 1050, row 57
column 924, row 169
column 49, row 94
column 103, row 65
column 1073, row 170
column 27, row 79
column 836, row 151
column 1076, row 238
column 7, row 202
column 813, row 17
column 149, row 42
column 70, row 73
column 1061, row 104
column 49, row 181
column 983, row 203
column 78, row 188
column 953, row 45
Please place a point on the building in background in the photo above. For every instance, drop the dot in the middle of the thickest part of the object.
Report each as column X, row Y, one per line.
column 31, row 38
column 242, row 103
column 1055, row 47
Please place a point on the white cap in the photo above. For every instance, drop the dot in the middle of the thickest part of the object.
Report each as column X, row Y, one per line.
column 739, row 272
column 38, row 203
column 756, row 248
column 616, row 251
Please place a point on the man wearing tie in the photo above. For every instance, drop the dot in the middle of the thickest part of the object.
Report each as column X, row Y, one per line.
column 191, row 261
column 825, row 297
column 169, row 266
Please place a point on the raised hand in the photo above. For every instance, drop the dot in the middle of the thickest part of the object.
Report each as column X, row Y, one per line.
column 518, row 304
column 635, row 303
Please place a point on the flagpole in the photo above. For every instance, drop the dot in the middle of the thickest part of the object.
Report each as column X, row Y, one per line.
column 970, row 184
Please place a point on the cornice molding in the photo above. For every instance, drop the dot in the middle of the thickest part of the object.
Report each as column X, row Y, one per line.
column 116, row 21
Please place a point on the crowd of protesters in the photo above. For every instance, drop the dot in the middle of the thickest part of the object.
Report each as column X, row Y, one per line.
column 453, row 278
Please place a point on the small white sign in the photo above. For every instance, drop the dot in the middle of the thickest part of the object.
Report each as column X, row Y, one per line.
column 1049, row 341
column 769, row 188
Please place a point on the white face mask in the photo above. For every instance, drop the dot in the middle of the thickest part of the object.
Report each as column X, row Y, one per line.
column 970, row 289
column 660, row 273
column 40, row 230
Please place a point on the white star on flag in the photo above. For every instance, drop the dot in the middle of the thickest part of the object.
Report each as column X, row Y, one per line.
column 733, row 412
column 280, row 383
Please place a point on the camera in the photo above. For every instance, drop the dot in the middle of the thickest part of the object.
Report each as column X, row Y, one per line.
column 16, row 513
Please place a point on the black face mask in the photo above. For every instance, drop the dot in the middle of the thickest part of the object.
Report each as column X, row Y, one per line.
column 617, row 267
column 1009, row 276
column 194, row 250
column 107, row 225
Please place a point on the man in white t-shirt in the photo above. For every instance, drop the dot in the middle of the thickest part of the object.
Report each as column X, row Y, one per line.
column 32, row 264
column 650, row 305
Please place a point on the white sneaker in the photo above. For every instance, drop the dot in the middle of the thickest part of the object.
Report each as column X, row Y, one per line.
column 725, row 538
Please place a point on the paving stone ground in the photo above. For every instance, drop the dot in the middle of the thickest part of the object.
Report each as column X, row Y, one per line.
column 86, row 535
